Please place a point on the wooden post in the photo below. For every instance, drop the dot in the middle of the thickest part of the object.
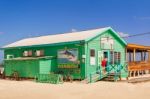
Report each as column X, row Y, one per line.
column 142, row 56
column 134, row 73
column 134, row 54
column 138, row 73
column 149, row 56
column 142, row 72
column 131, row 73
column 129, row 56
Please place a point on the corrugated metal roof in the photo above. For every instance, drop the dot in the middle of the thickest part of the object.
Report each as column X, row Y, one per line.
column 58, row 38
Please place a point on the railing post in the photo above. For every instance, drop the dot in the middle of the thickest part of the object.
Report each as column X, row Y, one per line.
column 90, row 78
column 100, row 73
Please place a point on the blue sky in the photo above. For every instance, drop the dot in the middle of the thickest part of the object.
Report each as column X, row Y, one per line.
column 27, row 18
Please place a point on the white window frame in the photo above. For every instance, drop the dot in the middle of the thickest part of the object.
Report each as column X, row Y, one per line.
column 26, row 53
column 38, row 53
column 93, row 58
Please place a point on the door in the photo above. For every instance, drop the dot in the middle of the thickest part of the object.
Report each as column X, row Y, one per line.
column 106, row 55
column 45, row 66
column 100, row 57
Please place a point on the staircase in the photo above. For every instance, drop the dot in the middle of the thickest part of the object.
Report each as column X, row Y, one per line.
column 112, row 77
column 113, row 74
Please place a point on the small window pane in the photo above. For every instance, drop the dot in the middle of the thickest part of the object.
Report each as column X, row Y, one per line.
column 92, row 53
column 27, row 53
column 117, row 57
column 111, row 57
column 40, row 53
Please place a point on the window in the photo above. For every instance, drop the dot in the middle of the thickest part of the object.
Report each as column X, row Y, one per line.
column 103, row 41
column 106, row 43
column 92, row 57
column 10, row 56
column 27, row 53
column 117, row 57
column 111, row 57
column 102, row 45
column 111, row 46
column 92, row 53
column 39, row 53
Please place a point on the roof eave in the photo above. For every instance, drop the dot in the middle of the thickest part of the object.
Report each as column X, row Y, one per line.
column 41, row 45
column 109, row 28
column 89, row 39
column 125, row 43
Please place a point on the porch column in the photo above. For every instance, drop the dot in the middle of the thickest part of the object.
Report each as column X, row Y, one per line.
column 149, row 56
column 129, row 56
column 141, row 55
column 144, row 55
column 134, row 54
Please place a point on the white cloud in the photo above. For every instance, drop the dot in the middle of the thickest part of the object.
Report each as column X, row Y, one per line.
column 123, row 34
column 73, row 30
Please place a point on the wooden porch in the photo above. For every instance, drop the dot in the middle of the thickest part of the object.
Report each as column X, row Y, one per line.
column 138, row 59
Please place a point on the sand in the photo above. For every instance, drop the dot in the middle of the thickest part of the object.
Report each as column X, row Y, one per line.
column 76, row 90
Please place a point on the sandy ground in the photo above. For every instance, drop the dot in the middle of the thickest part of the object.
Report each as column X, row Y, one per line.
column 76, row 90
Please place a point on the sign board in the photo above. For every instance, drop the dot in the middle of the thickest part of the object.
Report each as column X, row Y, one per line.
column 68, row 58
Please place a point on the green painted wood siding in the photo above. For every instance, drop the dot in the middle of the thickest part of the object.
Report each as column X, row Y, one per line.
column 51, row 51
column 83, row 49
column 95, row 44
column 25, row 68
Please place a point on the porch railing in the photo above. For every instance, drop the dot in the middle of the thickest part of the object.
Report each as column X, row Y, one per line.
column 137, row 68
column 116, row 70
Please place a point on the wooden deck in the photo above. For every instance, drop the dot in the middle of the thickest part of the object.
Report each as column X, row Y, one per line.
column 138, row 80
column 138, row 68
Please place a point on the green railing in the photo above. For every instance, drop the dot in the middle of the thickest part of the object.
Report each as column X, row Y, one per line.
column 116, row 69
column 50, row 78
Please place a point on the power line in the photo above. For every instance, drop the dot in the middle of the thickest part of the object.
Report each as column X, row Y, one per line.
column 136, row 35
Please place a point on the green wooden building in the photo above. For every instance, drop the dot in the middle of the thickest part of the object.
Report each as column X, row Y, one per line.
column 78, row 54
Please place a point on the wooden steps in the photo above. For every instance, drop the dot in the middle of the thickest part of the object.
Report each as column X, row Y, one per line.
column 95, row 78
column 112, row 77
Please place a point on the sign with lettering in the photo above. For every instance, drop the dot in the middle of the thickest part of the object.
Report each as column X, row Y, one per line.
column 68, row 58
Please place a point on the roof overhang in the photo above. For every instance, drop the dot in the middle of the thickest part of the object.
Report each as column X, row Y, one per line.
column 113, row 31
column 43, row 45
column 137, row 47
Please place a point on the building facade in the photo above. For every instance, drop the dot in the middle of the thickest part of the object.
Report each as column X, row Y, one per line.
column 78, row 54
